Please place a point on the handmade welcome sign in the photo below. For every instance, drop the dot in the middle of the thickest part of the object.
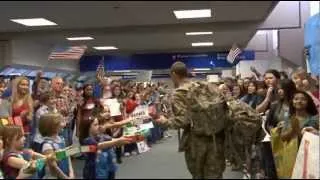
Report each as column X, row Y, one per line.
column 139, row 114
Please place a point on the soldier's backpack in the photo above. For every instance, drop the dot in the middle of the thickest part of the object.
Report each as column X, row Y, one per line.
column 211, row 113
column 245, row 130
column 207, row 109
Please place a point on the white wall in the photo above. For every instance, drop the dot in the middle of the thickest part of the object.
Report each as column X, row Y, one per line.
column 30, row 53
column 291, row 41
column 284, row 15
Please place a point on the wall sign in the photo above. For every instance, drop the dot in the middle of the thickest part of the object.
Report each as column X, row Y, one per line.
column 161, row 61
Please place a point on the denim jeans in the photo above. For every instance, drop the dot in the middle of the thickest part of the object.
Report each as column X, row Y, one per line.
column 155, row 134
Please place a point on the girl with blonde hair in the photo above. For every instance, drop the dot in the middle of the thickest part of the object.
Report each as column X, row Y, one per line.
column 22, row 106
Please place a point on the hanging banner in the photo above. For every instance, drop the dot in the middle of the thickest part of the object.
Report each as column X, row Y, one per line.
column 307, row 161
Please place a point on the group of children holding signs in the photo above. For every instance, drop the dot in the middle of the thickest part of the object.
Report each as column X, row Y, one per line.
column 53, row 158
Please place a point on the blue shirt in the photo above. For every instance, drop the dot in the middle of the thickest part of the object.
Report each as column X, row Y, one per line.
column 98, row 165
column 7, row 93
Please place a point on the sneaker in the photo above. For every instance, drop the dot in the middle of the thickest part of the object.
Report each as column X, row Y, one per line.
column 127, row 154
column 134, row 153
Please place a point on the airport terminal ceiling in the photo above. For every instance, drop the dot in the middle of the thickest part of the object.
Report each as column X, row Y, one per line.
column 135, row 26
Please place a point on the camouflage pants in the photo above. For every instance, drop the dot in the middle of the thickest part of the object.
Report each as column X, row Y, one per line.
column 201, row 159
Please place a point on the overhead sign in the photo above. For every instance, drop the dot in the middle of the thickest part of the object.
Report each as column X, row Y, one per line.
column 162, row 61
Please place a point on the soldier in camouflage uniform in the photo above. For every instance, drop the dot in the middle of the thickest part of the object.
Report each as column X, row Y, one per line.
column 204, row 158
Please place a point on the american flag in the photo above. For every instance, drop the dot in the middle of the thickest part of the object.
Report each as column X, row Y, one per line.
column 72, row 52
column 233, row 53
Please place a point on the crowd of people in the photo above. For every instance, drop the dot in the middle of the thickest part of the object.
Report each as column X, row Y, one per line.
column 54, row 114
column 288, row 103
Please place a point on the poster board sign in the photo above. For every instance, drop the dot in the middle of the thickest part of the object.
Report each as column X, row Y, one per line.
column 226, row 73
column 307, row 161
column 139, row 114
column 144, row 76
column 113, row 105
column 213, row 78
column 142, row 147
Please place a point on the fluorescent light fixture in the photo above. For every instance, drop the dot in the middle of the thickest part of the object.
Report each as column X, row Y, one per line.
column 187, row 14
column 197, row 44
column 34, row 22
column 79, row 38
column 105, row 47
column 201, row 69
column 122, row 71
column 198, row 33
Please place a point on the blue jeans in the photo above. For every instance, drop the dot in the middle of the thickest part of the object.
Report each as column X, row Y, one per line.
column 66, row 133
column 155, row 134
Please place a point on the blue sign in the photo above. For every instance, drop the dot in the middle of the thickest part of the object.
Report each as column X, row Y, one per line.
column 161, row 61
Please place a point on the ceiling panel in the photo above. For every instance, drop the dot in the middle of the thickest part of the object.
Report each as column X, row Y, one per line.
column 89, row 14
column 134, row 25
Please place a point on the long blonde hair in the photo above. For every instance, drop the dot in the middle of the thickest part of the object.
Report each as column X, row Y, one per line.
column 15, row 97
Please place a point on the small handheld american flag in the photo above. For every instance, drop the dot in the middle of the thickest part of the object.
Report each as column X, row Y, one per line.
column 67, row 52
column 233, row 53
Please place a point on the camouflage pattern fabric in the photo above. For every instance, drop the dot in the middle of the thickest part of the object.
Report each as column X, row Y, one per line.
column 245, row 131
column 204, row 150
column 214, row 126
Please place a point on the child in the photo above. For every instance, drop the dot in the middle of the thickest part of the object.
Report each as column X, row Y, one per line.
column 107, row 125
column 46, row 105
column 100, row 164
column 50, row 125
column 15, row 158
column 107, row 122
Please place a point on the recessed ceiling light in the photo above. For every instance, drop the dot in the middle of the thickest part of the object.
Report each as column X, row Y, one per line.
column 79, row 38
column 105, row 48
column 202, row 44
column 201, row 69
column 34, row 22
column 198, row 33
column 187, row 14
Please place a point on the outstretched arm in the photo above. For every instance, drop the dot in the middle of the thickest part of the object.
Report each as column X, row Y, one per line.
column 179, row 107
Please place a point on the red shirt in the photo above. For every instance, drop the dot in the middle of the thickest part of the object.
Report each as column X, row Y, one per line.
column 16, row 111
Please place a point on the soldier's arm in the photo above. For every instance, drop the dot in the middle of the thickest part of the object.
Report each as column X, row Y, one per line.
column 178, row 119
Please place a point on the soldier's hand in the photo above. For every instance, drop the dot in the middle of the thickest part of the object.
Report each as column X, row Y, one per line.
column 162, row 120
